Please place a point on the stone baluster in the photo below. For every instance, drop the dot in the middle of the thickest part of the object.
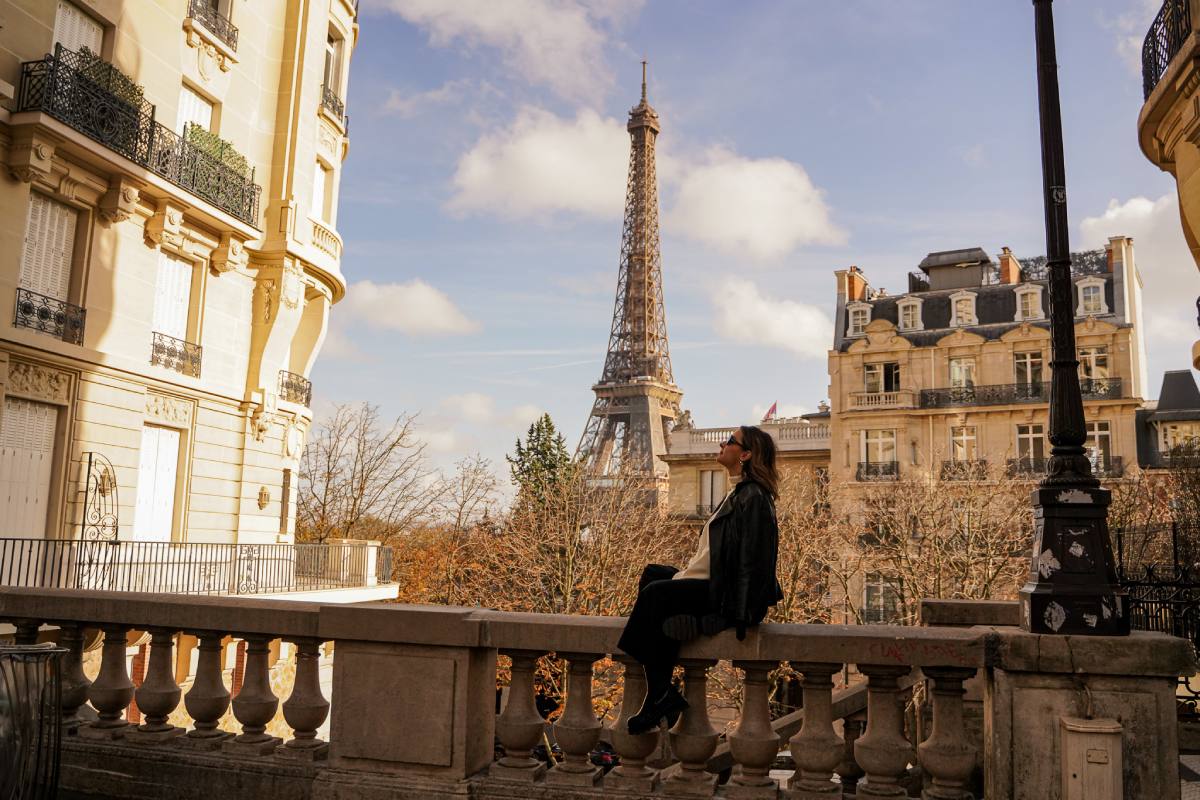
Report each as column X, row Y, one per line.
column 947, row 755
column 158, row 695
column 74, row 683
column 848, row 770
column 577, row 729
column 519, row 726
column 27, row 631
column 306, row 708
column 112, row 690
column 816, row 747
column 753, row 743
column 693, row 739
column 255, row 705
column 632, row 774
column 883, row 752
column 208, row 699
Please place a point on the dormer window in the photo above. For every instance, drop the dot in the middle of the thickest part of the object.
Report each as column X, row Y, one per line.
column 962, row 309
column 857, row 317
column 910, row 314
column 1029, row 303
column 1091, row 297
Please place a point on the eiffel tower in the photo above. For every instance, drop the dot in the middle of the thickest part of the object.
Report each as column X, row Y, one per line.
column 636, row 398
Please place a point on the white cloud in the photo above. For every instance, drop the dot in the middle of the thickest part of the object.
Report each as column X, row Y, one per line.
column 409, row 105
column 1130, row 29
column 544, row 163
column 557, row 43
column 744, row 315
column 443, row 440
column 414, row 308
column 338, row 345
column 480, row 409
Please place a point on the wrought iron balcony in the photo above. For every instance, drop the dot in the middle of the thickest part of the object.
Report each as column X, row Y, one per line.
column 964, row 470
column 877, row 471
column 1026, row 467
column 868, row 401
column 96, row 99
column 1111, row 467
column 176, row 354
column 1005, row 393
column 206, row 12
column 918, row 282
column 295, row 388
column 332, row 103
column 1168, row 32
column 58, row 318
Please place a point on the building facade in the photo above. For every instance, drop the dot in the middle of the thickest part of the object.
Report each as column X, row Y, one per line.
column 168, row 258
column 952, row 377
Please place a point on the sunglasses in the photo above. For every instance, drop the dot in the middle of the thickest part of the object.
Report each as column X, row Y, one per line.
column 732, row 440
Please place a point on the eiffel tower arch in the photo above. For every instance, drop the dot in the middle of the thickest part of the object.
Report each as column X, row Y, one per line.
column 637, row 400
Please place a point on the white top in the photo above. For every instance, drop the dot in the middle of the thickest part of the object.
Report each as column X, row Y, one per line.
column 698, row 567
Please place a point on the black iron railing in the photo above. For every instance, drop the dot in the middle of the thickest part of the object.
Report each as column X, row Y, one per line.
column 295, row 388
column 183, row 357
column 192, row 568
column 964, row 470
column 76, row 91
column 877, row 471
column 206, row 12
column 58, row 318
column 1168, row 32
column 1026, row 467
column 1004, row 393
column 332, row 103
column 1084, row 262
column 1111, row 467
column 918, row 282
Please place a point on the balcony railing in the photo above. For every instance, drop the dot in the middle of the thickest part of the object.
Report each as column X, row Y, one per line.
column 1006, row 393
column 1168, row 32
column 918, row 282
column 961, row 470
column 176, row 354
column 84, row 95
column 295, row 388
column 877, row 471
column 869, row 401
column 1111, row 467
column 1026, row 467
column 206, row 12
column 58, row 318
column 192, row 568
column 332, row 103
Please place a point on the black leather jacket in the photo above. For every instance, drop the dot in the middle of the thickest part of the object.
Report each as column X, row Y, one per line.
column 743, row 542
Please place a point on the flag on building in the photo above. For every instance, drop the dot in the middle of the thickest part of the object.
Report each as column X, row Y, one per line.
column 771, row 411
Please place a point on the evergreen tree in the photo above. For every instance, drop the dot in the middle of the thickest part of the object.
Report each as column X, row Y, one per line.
column 541, row 462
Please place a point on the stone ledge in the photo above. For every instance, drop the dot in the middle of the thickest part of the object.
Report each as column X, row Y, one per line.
column 1141, row 654
column 966, row 613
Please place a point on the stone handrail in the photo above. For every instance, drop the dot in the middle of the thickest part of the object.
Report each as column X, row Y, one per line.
column 902, row 398
column 326, row 240
column 415, row 694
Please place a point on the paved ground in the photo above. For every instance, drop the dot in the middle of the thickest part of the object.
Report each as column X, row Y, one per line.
column 1189, row 777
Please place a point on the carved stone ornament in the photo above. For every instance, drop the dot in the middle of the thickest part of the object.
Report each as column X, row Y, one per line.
column 171, row 410
column 267, row 286
column 208, row 54
column 230, row 254
column 120, row 201
column 261, row 418
column 68, row 188
column 293, row 441
column 264, row 497
column 293, row 284
column 29, row 156
column 35, row 382
column 165, row 227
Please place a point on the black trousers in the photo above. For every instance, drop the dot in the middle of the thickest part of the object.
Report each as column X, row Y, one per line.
column 660, row 597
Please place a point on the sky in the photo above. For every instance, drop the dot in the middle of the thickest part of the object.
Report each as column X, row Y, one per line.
column 482, row 197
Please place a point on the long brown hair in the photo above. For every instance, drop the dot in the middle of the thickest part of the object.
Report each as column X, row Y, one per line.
column 760, row 467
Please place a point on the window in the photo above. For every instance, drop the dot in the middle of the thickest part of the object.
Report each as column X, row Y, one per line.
column 881, row 377
column 285, row 502
column 1176, row 434
column 1029, row 303
column 333, row 64
column 172, row 296
column 1093, row 362
column 712, row 489
column 962, row 443
column 963, row 518
column 1091, row 297
column 1031, row 443
column 49, row 247
column 962, row 373
column 1099, row 445
column 158, row 465
column 910, row 315
column 193, row 109
column 322, row 188
column 75, row 30
column 879, row 446
column 1027, row 367
column 858, row 316
column 962, row 306
column 26, row 465
column 881, row 602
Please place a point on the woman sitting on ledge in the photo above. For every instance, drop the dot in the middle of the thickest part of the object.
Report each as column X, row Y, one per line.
column 729, row 583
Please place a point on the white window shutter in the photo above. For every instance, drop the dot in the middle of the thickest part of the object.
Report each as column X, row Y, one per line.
column 26, row 464
column 74, row 29
column 49, row 247
column 318, row 198
column 193, row 108
column 154, row 513
column 172, row 295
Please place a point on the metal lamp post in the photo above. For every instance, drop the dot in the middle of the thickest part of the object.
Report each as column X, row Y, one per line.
column 1072, row 586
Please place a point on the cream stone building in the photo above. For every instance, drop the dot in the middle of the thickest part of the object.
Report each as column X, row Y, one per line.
column 952, row 377
column 168, row 258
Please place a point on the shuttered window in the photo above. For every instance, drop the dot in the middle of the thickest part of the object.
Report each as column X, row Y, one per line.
column 154, row 515
column 49, row 247
column 172, row 295
column 26, row 462
column 75, row 30
column 320, row 188
column 195, row 109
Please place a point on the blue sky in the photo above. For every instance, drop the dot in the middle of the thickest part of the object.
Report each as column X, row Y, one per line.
column 481, row 201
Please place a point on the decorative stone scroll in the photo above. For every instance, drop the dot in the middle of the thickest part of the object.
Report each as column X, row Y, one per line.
column 230, row 254
column 165, row 227
column 175, row 411
column 36, row 382
column 29, row 156
column 120, row 201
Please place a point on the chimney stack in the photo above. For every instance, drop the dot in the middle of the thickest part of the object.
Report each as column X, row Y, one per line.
column 1010, row 268
column 856, row 284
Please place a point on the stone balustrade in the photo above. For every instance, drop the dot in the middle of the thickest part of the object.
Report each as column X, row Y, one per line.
column 414, row 705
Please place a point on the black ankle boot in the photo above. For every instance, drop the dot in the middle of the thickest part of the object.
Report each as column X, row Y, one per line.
column 669, row 705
